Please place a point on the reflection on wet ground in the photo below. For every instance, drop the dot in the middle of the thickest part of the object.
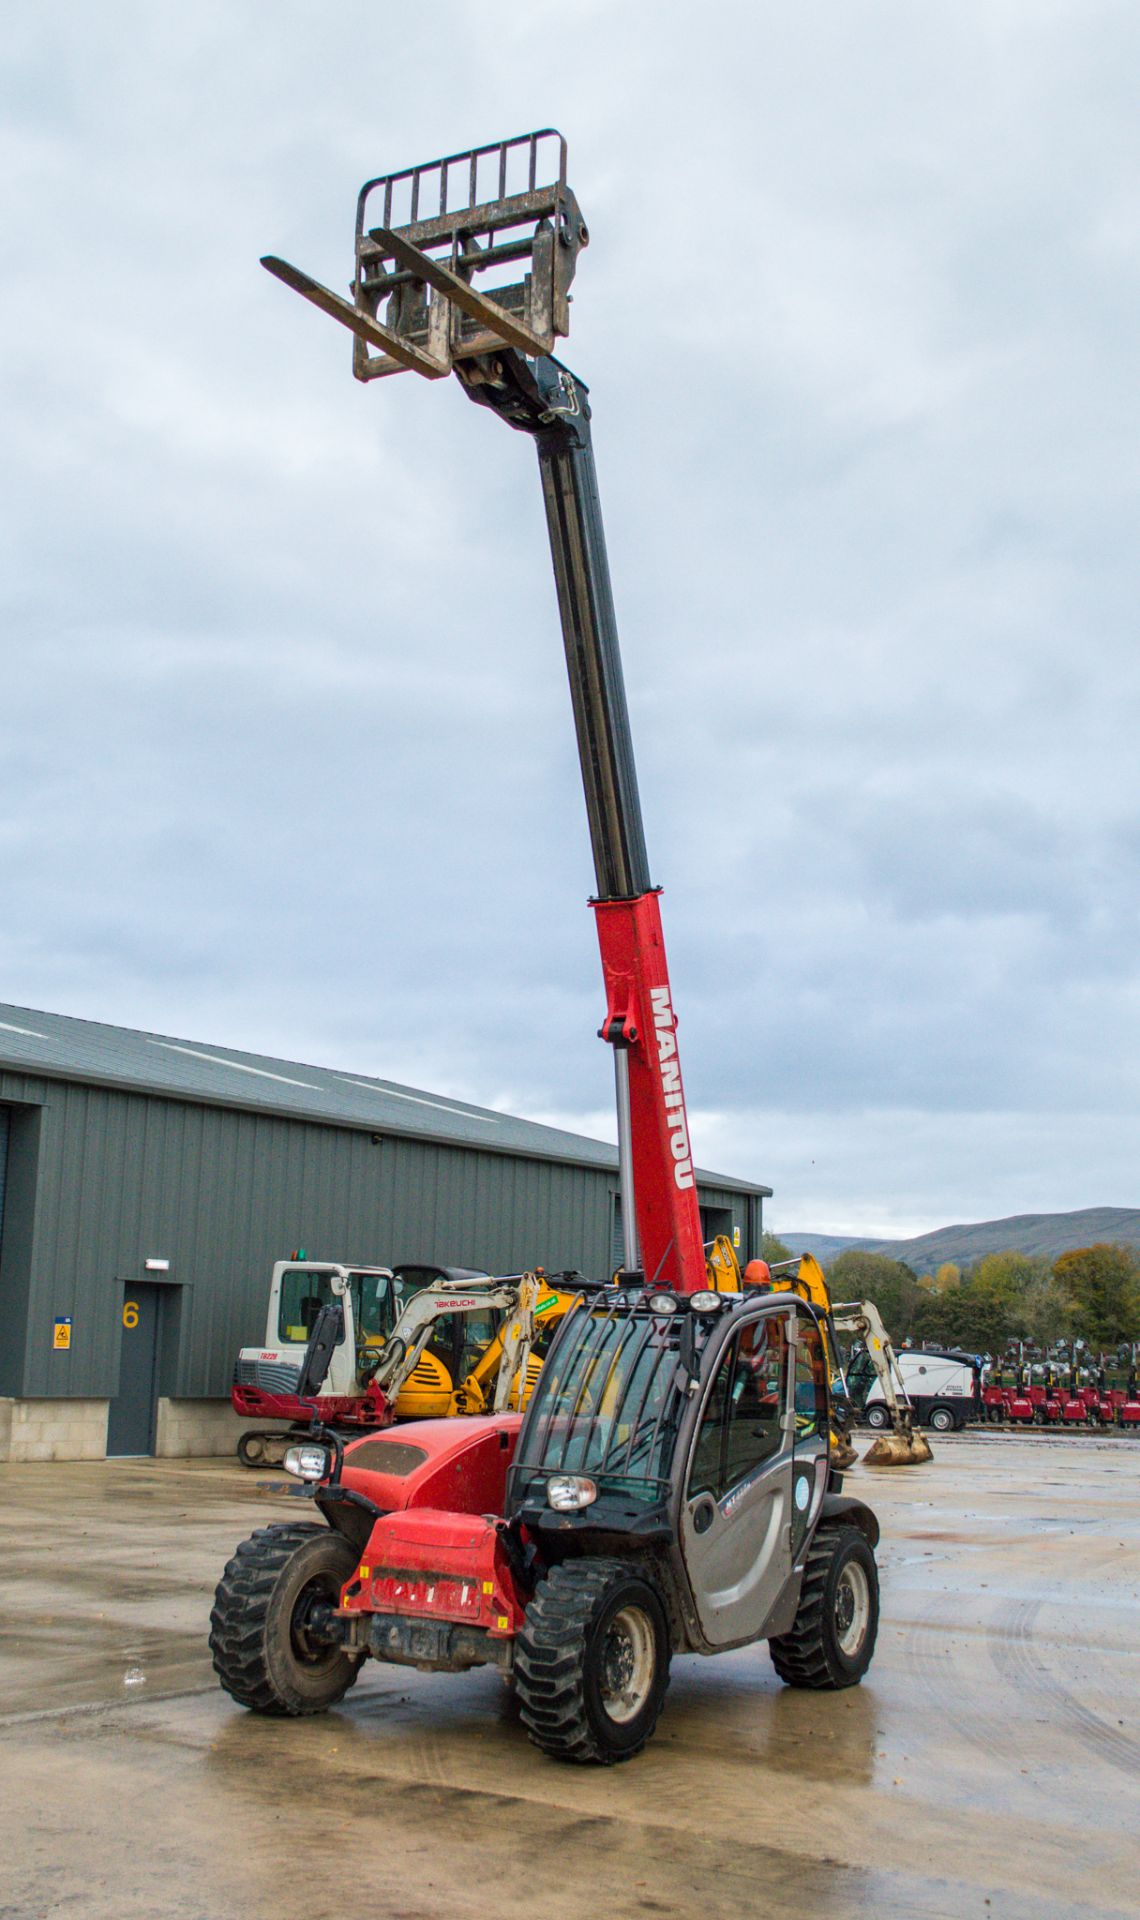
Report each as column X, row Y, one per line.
column 988, row 1765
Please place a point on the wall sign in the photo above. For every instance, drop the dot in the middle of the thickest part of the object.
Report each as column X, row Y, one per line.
column 61, row 1333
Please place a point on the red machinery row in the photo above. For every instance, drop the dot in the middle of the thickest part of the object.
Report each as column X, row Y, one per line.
column 1061, row 1401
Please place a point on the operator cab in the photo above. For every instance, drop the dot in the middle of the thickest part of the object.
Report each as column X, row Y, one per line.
column 691, row 1426
column 303, row 1289
column 458, row 1339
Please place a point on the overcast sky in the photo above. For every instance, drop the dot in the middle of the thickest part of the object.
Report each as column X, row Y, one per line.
column 288, row 761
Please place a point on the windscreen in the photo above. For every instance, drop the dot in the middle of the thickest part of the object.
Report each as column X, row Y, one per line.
column 607, row 1401
column 304, row 1291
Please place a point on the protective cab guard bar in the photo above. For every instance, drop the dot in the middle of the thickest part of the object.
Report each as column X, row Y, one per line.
column 467, row 214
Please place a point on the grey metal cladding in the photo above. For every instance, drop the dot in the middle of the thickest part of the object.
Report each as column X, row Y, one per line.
column 103, row 1176
column 55, row 1044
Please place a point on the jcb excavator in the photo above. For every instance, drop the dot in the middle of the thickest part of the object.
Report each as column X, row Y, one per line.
column 669, row 1487
column 902, row 1447
column 412, row 1343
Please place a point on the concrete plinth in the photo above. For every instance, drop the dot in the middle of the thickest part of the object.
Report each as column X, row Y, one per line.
column 53, row 1429
column 202, row 1428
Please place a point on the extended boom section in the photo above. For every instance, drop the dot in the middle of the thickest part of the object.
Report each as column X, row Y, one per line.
column 474, row 218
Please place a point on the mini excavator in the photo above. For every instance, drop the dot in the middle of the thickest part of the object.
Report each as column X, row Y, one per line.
column 411, row 1342
column 670, row 1486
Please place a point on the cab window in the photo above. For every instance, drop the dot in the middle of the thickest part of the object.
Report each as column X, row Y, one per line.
column 811, row 1381
column 740, row 1427
column 372, row 1305
column 303, row 1293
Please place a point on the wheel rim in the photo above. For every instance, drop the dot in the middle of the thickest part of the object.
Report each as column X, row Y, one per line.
column 627, row 1663
column 852, row 1608
column 310, row 1646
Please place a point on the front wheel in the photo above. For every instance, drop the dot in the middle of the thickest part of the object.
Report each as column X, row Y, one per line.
column 266, row 1633
column 942, row 1419
column 833, row 1634
column 592, row 1662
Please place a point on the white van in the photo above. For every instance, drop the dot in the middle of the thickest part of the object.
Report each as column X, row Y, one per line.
column 940, row 1385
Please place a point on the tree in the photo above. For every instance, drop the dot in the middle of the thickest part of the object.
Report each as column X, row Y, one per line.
column 1101, row 1285
column 947, row 1276
column 873, row 1276
column 1006, row 1276
column 773, row 1250
column 963, row 1317
column 1044, row 1314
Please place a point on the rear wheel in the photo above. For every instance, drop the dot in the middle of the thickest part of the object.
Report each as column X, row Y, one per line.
column 833, row 1634
column 878, row 1416
column 592, row 1662
column 270, row 1653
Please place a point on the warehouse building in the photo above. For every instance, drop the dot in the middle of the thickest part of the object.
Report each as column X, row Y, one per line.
column 148, row 1184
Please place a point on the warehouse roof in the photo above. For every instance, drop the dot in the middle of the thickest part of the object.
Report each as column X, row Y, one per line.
column 62, row 1048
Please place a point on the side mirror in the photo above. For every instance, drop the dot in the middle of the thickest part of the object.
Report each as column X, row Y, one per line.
column 328, row 1328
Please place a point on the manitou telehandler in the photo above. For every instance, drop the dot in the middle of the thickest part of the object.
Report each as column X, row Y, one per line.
column 669, row 1487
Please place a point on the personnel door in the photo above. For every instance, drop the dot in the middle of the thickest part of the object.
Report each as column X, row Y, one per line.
column 734, row 1524
column 131, row 1419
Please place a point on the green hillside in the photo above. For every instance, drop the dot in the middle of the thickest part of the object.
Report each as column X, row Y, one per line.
column 1037, row 1234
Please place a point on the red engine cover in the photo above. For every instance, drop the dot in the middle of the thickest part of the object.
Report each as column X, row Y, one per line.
column 458, row 1466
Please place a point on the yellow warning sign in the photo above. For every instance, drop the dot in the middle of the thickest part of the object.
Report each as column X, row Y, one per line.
column 61, row 1334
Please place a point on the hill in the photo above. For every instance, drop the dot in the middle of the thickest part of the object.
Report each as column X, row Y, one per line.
column 1038, row 1234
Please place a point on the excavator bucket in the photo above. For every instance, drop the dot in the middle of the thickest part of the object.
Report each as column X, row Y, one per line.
column 458, row 259
column 905, row 1449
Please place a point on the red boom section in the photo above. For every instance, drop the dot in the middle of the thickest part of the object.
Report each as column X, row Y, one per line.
column 639, row 1015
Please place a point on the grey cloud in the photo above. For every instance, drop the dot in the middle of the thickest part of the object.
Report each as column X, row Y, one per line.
column 287, row 750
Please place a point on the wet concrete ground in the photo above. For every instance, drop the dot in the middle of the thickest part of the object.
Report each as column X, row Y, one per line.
column 989, row 1765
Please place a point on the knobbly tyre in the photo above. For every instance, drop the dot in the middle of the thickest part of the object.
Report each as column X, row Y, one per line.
column 668, row 1487
column 667, row 1491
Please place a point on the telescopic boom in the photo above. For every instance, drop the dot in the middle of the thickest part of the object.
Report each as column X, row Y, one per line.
column 498, row 342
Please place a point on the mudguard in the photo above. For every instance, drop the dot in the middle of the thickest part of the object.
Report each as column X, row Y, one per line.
column 845, row 1507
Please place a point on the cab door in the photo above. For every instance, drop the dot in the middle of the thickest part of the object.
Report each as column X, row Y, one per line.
column 737, row 1508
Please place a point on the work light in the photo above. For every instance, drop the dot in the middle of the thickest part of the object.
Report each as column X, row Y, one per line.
column 569, row 1492
column 307, row 1462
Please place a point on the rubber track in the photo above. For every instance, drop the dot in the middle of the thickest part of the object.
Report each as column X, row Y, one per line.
column 237, row 1619
column 550, row 1661
column 800, row 1657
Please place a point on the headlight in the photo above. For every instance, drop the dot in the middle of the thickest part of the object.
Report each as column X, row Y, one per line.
column 707, row 1302
column 663, row 1303
column 308, row 1462
column 569, row 1492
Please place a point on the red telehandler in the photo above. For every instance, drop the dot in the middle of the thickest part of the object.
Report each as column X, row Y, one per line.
column 669, row 1486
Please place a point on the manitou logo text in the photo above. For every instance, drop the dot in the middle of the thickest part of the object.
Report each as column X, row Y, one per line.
column 670, row 1068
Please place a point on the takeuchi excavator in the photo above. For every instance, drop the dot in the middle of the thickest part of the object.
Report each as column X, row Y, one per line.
column 670, row 1486
column 412, row 1342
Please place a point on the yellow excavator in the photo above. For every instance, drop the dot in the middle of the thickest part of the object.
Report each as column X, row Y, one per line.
column 902, row 1447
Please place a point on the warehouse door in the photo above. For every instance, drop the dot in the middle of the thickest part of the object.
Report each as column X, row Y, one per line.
column 130, row 1424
